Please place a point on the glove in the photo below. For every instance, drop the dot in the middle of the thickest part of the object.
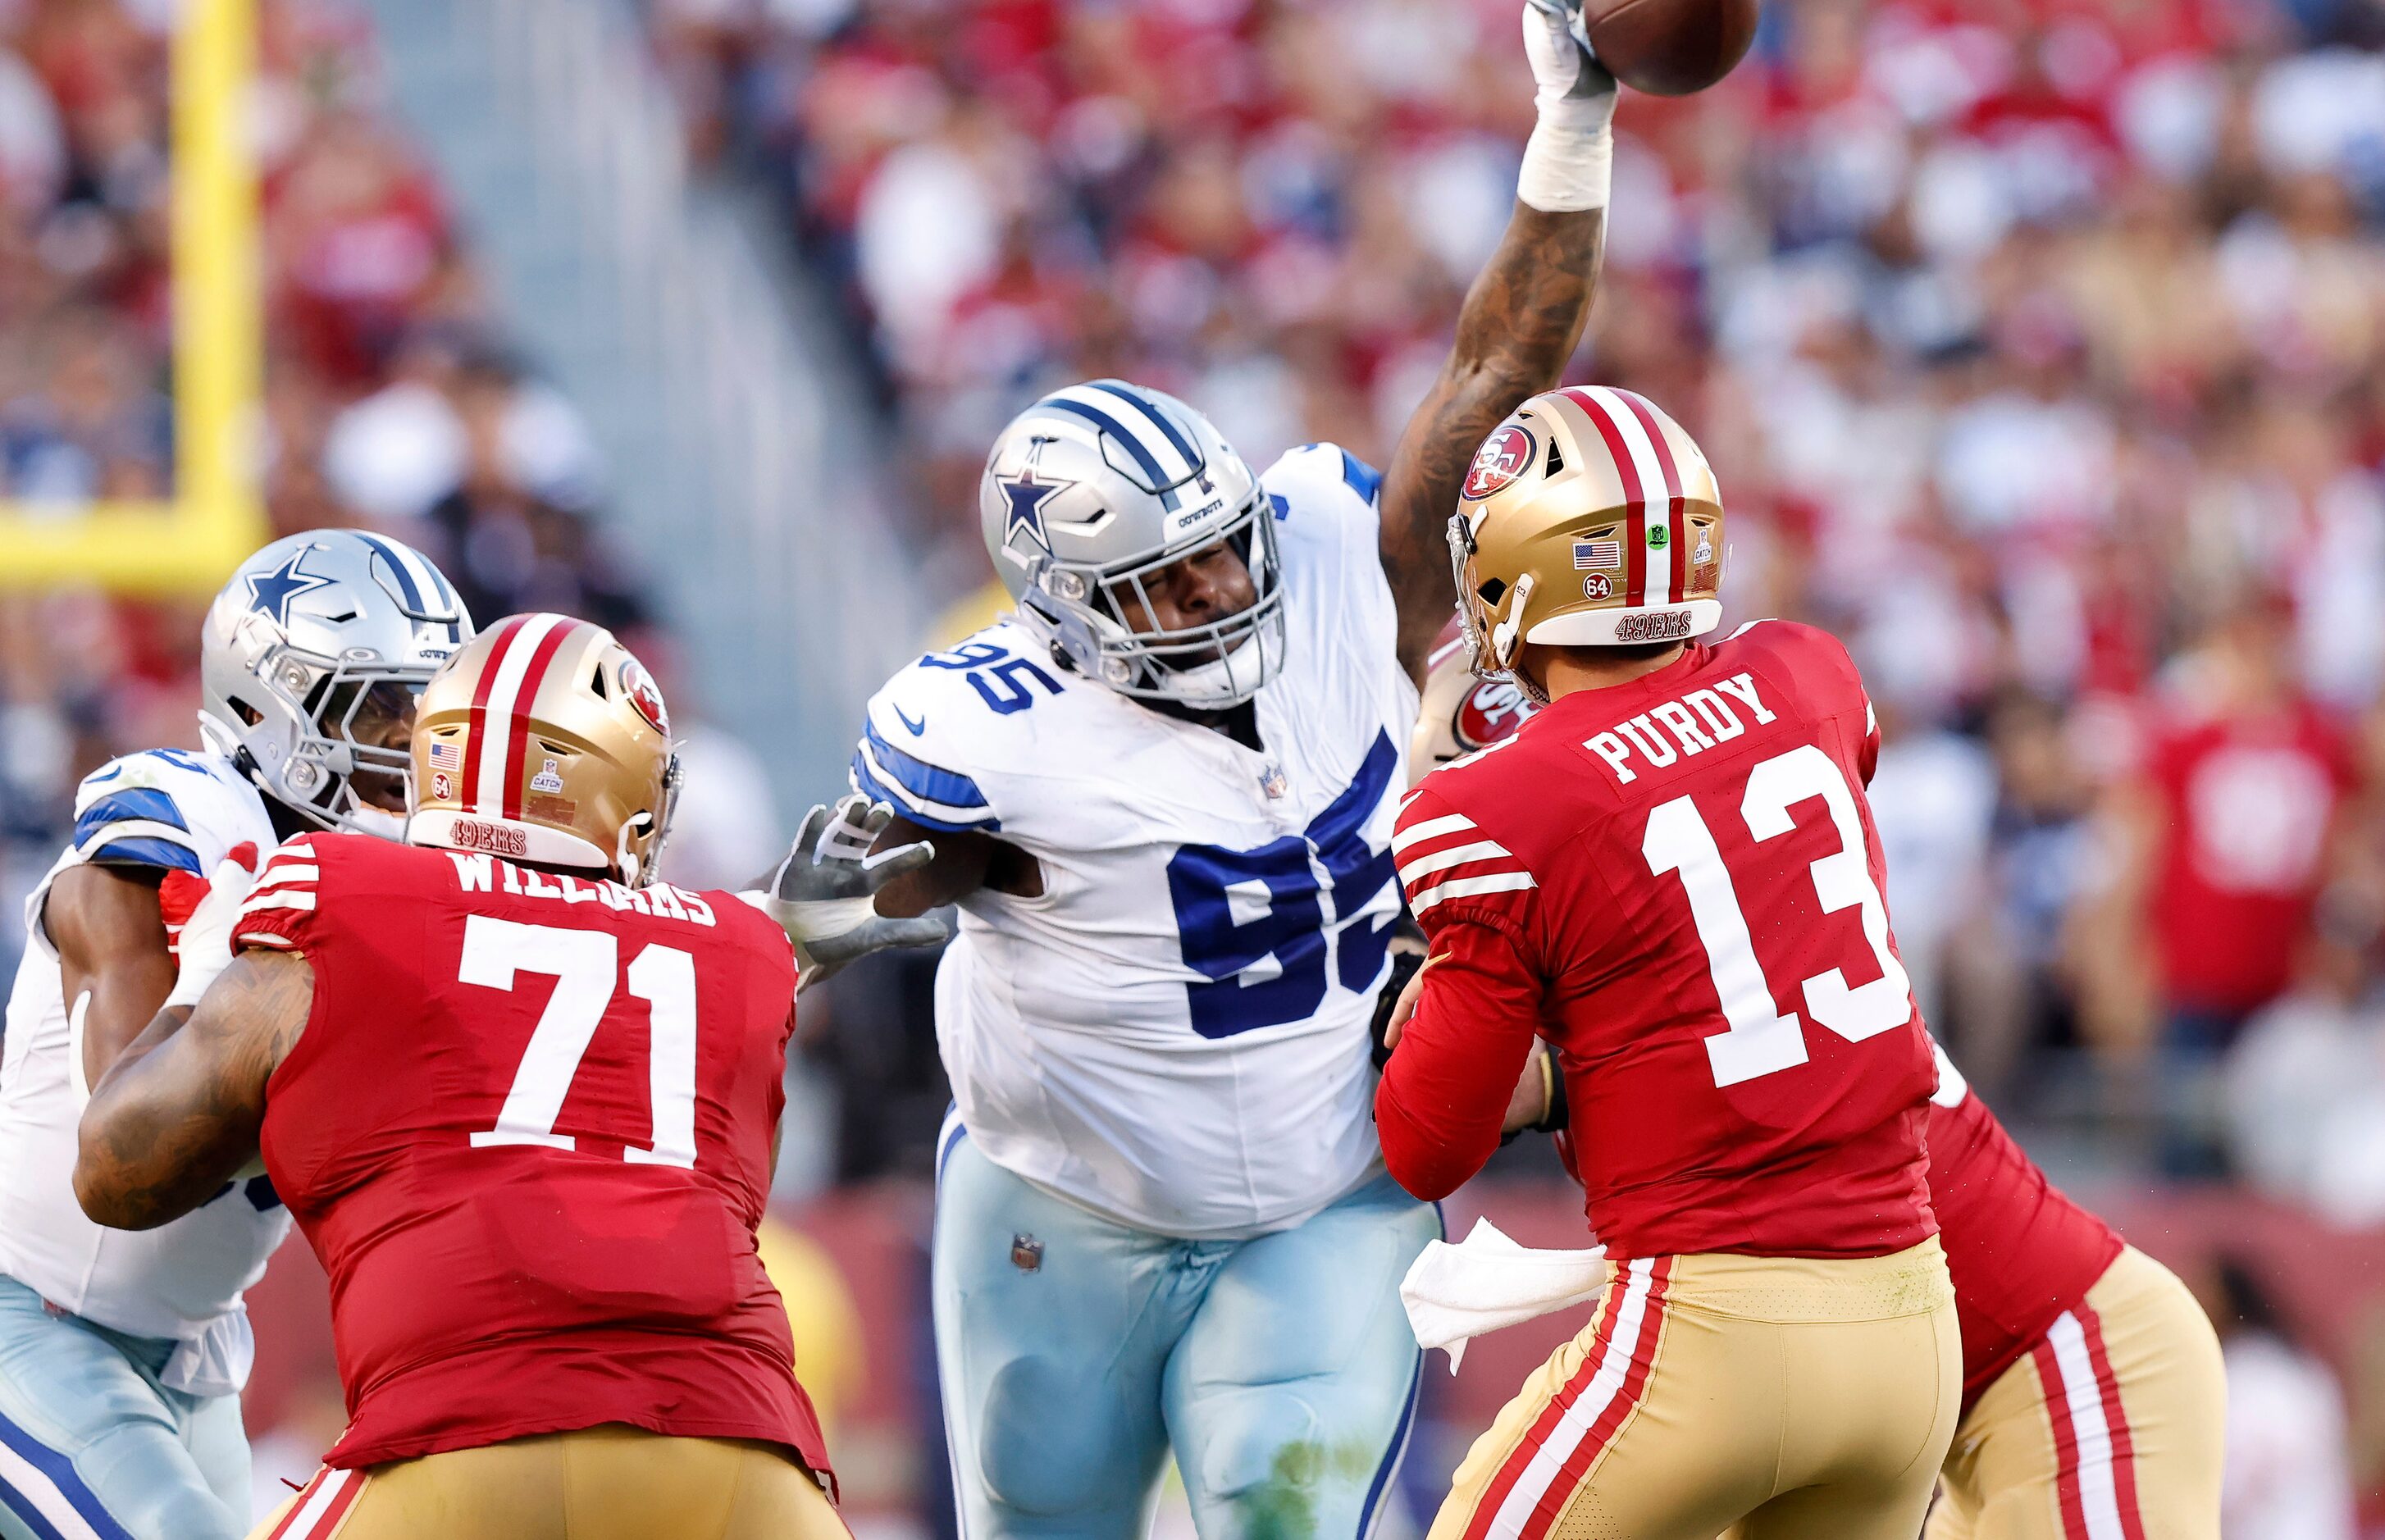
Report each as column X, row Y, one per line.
column 1569, row 159
column 1408, row 956
column 824, row 894
column 206, row 941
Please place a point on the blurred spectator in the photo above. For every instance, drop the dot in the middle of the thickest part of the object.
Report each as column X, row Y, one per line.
column 2285, row 1477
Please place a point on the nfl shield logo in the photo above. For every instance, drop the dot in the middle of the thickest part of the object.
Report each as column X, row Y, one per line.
column 1274, row 782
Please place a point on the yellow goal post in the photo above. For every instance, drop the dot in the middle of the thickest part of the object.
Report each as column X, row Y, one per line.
column 214, row 515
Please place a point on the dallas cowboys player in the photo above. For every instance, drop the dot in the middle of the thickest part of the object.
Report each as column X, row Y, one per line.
column 1162, row 794
column 121, row 1355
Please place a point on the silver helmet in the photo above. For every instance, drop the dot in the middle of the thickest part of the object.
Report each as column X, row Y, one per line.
column 314, row 636
column 1093, row 491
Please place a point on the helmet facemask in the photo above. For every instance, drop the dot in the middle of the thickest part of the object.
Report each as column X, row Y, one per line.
column 336, row 717
column 1211, row 666
column 1492, row 647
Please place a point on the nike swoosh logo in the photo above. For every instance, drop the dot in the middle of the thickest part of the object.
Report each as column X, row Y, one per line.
column 917, row 727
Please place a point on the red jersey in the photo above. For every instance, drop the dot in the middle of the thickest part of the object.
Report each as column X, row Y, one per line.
column 1677, row 882
column 2247, row 805
column 528, row 1131
column 2020, row 1251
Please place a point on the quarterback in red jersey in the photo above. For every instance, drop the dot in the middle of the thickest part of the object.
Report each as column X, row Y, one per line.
column 2092, row 1389
column 522, row 1098
column 1670, row 874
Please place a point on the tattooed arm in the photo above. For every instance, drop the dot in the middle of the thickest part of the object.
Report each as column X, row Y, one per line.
column 176, row 1115
column 1520, row 322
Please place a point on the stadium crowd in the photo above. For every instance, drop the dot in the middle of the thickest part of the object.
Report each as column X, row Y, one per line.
column 2040, row 347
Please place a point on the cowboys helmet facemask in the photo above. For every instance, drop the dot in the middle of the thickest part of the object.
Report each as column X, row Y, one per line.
column 315, row 636
column 1093, row 491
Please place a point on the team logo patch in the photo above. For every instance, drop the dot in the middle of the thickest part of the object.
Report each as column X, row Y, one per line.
column 1274, row 782
column 442, row 790
column 1652, row 626
column 1597, row 585
column 496, row 838
column 548, row 780
column 1503, row 457
column 1659, row 536
column 1587, row 554
column 639, row 686
column 1491, row 710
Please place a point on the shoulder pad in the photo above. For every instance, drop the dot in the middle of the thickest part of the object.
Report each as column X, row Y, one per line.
column 925, row 735
column 148, row 809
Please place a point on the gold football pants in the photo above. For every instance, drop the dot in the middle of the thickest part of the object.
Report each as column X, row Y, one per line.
column 609, row 1482
column 1797, row 1398
column 2109, row 1428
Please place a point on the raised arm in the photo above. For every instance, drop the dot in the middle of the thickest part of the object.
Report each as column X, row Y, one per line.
column 1519, row 324
column 176, row 1115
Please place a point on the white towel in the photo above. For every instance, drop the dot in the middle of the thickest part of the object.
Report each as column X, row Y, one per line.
column 1486, row 1280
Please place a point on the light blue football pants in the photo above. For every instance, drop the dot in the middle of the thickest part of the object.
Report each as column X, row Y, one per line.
column 93, row 1447
column 1075, row 1353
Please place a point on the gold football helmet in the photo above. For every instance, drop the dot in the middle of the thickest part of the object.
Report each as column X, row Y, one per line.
column 1588, row 518
column 1461, row 712
column 543, row 740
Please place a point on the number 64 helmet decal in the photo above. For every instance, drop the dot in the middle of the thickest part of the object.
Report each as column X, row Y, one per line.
column 544, row 740
column 1589, row 518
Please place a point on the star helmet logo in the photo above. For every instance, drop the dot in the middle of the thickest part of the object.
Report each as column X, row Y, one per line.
column 1503, row 457
column 1491, row 710
column 1027, row 497
column 639, row 686
column 270, row 594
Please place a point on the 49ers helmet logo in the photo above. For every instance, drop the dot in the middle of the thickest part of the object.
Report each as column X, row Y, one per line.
column 1504, row 456
column 639, row 687
column 1491, row 710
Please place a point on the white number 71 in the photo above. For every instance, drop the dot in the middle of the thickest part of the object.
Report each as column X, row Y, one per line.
column 582, row 964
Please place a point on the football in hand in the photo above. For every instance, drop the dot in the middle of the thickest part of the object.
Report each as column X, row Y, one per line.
column 1670, row 47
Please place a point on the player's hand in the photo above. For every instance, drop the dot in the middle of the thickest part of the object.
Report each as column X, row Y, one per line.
column 1528, row 1105
column 1571, row 87
column 1402, row 1009
column 824, row 894
column 204, row 947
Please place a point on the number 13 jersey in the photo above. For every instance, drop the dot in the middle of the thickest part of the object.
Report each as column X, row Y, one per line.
column 1676, row 881
column 1173, row 1035
column 528, row 1131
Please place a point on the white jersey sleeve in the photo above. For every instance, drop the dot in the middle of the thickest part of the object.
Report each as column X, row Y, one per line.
column 949, row 739
column 175, row 809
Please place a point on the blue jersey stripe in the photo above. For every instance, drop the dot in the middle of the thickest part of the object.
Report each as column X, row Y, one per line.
column 1362, row 478
column 1392, row 1456
column 62, row 1475
column 869, row 785
column 1168, row 429
column 146, row 851
column 134, row 803
column 928, row 782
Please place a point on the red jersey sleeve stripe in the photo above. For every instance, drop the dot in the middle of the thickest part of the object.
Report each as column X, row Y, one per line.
column 1412, row 835
column 1467, row 887
column 1473, row 850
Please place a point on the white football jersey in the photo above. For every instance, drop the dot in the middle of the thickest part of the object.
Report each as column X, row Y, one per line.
column 182, row 811
column 1174, row 1034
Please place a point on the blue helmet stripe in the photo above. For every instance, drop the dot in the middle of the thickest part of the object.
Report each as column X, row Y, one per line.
column 404, row 579
column 132, row 804
column 1116, row 429
column 1134, row 398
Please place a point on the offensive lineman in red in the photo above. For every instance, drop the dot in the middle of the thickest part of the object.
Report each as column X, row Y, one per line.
column 2093, row 1394
column 522, row 1098
column 1670, row 874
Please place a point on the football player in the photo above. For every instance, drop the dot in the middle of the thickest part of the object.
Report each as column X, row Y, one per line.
column 1669, row 873
column 2092, row 1397
column 522, row 1097
column 1162, row 794
column 121, row 1357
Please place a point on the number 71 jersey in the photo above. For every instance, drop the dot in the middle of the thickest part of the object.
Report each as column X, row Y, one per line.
column 526, row 1130
column 1684, row 870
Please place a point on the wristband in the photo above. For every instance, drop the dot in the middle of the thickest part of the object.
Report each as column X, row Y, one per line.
column 1568, row 163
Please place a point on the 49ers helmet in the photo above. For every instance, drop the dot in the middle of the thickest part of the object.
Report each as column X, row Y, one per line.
column 543, row 740
column 1588, row 518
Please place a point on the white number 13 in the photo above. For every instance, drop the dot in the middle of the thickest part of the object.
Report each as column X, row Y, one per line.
column 581, row 964
column 1761, row 1040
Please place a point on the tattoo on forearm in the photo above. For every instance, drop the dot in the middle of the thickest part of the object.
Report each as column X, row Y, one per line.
column 1520, row 323
column 180, row 1113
